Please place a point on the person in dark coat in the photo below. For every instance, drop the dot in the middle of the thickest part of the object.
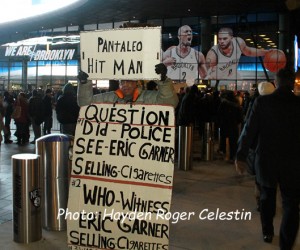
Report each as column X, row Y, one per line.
column 275, row 121
column 188, row 107
column 229, row 117
column 67, row 110
column 36, row 114
column 264, row 88
column 22, row 120
column 47, row 106
column 8, row 103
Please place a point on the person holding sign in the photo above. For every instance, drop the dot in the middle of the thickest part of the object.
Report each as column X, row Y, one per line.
column 129, row 92
column 184, row 62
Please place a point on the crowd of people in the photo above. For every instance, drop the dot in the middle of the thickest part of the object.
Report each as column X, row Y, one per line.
column 35, row 109
column 265, row 121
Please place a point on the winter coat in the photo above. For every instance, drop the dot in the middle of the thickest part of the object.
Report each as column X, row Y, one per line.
column 67, row 109
column 188, row 108
column 274, row 121
column 24, row 117
column 165, row 95
column 36, row 109
column 47, row 104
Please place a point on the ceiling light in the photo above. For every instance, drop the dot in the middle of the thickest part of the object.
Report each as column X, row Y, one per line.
column 25, row 8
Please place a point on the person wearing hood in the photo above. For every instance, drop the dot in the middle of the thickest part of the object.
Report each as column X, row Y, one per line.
column 129, row 92
column 67, row 110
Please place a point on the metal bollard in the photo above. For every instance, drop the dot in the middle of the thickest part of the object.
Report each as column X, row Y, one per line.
column 27, row 223
column 208, row 141
column 185, row 145
column 54, row 150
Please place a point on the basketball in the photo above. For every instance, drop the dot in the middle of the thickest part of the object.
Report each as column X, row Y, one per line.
column 274, row 60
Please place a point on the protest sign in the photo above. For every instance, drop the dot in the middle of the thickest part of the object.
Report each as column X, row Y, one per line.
column 121, row 178
column 125, row 53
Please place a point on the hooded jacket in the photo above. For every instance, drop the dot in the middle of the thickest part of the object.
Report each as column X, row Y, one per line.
column 165, row 95
column 67, row 109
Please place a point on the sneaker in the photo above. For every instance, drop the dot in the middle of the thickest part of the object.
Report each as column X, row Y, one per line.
column 32, row 142
column 8, row 141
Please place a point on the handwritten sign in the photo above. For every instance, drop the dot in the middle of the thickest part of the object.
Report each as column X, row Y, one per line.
column 121, row 53
column 122, row 177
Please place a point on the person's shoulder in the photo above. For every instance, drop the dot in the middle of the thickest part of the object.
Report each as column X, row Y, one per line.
column 264, row 98
column 296, row 98
column 241, row 42
column 171, row 48
column 196, row 51
column 239, row 39
column 213, row 50
column 108, row 97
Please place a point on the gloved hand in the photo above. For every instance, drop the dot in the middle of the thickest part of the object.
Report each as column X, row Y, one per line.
column 82, row 76
column 162, row 70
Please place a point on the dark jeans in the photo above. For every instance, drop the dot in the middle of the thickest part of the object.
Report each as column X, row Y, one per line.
column 267, row 209
column 22, row 132
column 290, row 218
column 233, row 138
column 47, row 125
column 7, row 132
column 37, row 131
column 68, row 128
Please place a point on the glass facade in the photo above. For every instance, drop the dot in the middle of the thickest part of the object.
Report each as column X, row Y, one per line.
column 40, row 63
column 55, row 60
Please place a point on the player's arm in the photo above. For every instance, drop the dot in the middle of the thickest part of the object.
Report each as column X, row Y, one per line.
column 211, row 64
column 166, row 57
column 250, row 51
column 211, row 59
column 202, row 65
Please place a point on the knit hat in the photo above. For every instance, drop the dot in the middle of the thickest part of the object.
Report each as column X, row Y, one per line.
column 265, row 88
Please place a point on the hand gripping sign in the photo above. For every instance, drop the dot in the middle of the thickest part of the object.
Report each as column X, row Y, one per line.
column 127, row 53
column 122, row 177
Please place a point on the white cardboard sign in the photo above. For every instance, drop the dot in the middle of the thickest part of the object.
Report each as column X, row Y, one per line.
column 125, row 53
column 122, row 177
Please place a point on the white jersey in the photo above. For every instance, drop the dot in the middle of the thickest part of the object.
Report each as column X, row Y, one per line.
column 185, row 69
column 226, row 67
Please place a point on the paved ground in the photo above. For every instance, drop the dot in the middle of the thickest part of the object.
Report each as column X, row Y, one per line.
column 210, row 186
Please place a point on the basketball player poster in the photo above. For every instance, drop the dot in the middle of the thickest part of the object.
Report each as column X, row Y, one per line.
column 185, row 64
column 221, row 62
column 223, row 58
